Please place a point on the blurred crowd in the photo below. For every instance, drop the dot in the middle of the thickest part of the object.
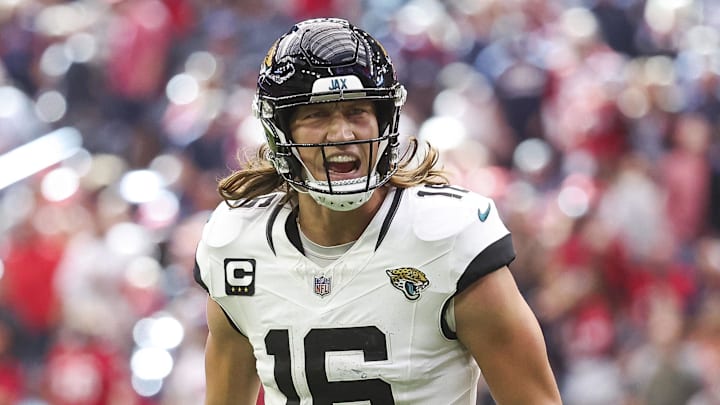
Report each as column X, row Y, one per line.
column 593, row 123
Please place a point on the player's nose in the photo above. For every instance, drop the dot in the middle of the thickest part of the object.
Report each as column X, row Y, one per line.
column 339, row 128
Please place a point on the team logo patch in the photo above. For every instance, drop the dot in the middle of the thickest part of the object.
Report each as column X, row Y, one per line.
column 409, row 280
column 323, row 285
column 240, row 276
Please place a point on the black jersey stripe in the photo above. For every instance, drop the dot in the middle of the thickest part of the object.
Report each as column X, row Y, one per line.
column 444, row 327
column 199, row 280
column 270, row 224
column 499, row 254
column 389, row 217
column 198, row 277
column 292, row 231
column 231, row 322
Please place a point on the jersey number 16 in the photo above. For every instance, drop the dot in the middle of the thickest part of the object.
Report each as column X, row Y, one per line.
column 369, row 339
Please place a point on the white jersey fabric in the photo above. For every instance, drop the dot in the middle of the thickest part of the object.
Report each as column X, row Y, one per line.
column 368, row 328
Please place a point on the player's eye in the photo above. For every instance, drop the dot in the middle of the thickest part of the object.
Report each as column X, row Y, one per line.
column 359, row 109
column 312, row 114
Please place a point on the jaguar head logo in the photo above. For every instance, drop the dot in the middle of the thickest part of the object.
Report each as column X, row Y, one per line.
column 409, row 280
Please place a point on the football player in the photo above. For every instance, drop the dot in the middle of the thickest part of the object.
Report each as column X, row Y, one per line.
column 339, row 271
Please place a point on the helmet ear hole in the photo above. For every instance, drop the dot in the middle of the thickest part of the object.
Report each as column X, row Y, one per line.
column 384, row 110
column 287, row 160
column 383, row 165
column 282, row 120
column 388, row 159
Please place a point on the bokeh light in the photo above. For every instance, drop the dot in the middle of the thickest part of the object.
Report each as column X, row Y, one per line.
column 39, row 154
column 151, row 363
column 55, row 61
column 201, row 65
column 139, row 186
column 161, row 331
column 143, row 272
column 579, row 22
column 532, row 155
column 129, row 239
column 12, row 101
column 60, row 184
column 182, row 89
column 81, row 47
column 51, row 106
column 147, row 387
column 17, row 205
column 105, row 169
column 633, row 103
column 250, row 132
column 169, row 167
column 443, row 132
column 450, row 103
column 573, row 201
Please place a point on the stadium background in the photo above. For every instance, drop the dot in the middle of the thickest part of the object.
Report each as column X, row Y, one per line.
column 593, row 123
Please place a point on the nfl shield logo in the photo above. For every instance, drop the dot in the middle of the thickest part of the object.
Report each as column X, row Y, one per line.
column 322, row 285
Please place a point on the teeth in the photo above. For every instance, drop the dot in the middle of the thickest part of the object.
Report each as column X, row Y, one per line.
column 340, row 159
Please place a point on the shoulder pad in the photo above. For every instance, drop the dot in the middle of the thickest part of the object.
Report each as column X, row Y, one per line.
column 440, row 212
column 214, row 233
column 226, row 223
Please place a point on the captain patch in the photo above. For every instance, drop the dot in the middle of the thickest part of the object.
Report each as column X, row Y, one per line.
column 240, row 276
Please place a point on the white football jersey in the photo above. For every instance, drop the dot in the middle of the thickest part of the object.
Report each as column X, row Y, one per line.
column 370, row 328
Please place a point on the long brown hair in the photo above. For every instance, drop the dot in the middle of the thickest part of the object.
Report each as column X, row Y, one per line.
column 257, row 176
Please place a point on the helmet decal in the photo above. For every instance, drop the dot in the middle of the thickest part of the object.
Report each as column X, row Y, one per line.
column 282, row 71
column 337, row 83
column 267, row 62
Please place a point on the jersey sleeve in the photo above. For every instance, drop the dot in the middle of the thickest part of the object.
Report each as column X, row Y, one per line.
column 205, row 274
column 469, row 228
column 197, row 272
column 232, row 232
column 485, row 245
column 201, row 272
column 213, row 236
column 225, row 226
column 481, row 242
column 482, row 247
column 224, row 238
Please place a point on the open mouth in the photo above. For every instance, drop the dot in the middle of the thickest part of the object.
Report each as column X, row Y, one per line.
column 340, row 166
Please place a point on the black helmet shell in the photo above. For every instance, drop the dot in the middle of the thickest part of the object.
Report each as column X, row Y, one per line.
column 323, row 48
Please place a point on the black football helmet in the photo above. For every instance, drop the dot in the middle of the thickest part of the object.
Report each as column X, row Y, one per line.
column 329, row 60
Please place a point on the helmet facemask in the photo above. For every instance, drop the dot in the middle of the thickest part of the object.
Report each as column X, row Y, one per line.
column 340, row 195
column 356, row 69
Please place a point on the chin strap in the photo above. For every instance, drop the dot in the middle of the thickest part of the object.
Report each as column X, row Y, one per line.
column 341, row 202
column 355, row 191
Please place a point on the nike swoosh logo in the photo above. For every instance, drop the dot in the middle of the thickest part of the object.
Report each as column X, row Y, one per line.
column 483, row 215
